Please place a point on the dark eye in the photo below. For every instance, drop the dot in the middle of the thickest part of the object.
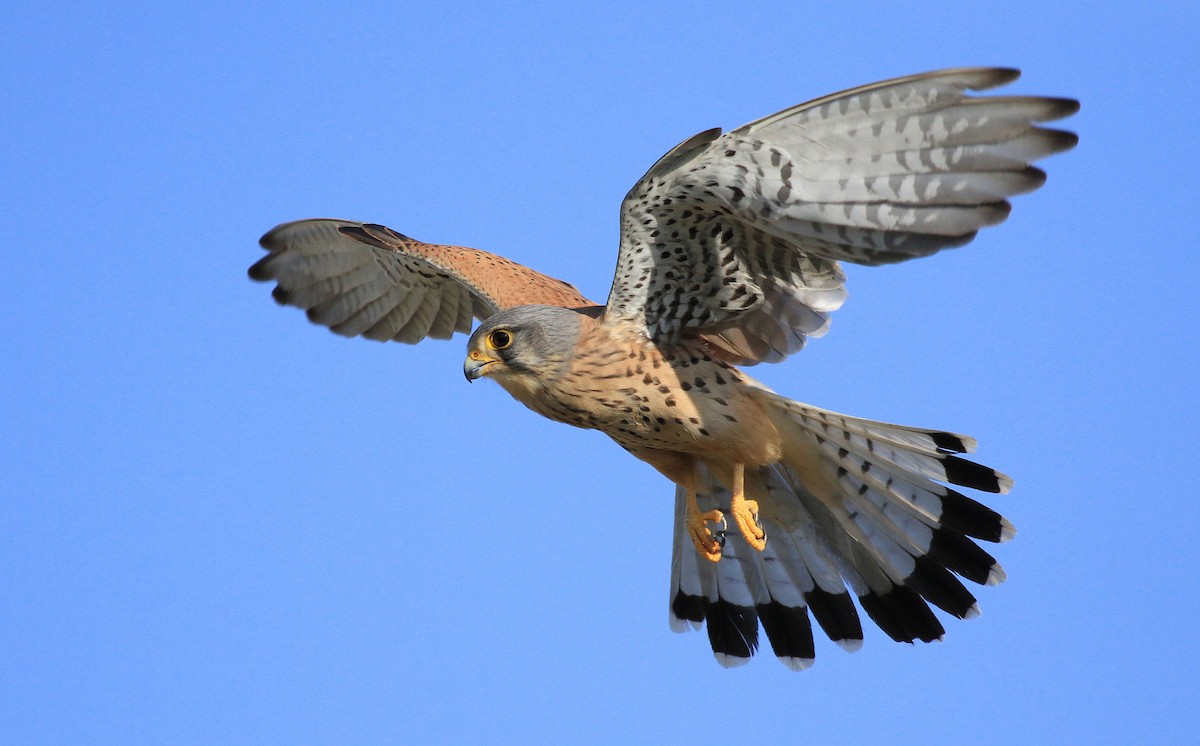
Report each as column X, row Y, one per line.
column 499, row 339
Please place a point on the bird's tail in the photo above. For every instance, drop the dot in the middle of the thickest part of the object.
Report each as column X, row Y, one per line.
column 852, row 506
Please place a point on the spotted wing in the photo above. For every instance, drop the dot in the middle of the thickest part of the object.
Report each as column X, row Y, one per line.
column 367, row 280
column 736, row 237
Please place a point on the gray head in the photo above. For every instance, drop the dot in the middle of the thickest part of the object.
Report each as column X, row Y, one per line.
column 523, row 346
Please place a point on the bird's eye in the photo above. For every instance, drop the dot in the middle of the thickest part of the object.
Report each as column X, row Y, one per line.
column 499, row 339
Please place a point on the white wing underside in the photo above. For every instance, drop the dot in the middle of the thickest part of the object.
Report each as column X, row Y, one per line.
column 736, row 237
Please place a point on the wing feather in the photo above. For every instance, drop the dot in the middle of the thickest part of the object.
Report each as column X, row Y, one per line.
column 367, row 280
column 713, row 234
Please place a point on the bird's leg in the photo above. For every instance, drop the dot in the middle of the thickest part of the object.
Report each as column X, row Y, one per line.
column 707, row 545
column 745, row 512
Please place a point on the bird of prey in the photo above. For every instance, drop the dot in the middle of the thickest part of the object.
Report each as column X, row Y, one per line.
column 729, row 256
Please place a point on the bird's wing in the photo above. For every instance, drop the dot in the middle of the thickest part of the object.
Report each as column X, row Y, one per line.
column 735, row 238
column 367, row 280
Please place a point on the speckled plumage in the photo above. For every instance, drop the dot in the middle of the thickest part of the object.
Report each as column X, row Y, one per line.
column 730, row 251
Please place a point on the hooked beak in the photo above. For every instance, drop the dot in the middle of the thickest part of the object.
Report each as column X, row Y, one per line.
column 475, row 365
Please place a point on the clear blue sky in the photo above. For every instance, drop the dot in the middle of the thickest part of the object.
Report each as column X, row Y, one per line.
column 223, row 524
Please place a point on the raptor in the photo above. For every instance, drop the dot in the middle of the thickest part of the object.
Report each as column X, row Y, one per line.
column 729, row 256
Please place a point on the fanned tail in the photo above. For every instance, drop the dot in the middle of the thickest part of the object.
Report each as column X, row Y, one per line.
column 853, row 506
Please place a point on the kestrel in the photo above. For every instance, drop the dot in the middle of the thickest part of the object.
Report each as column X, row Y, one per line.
column 729, row 255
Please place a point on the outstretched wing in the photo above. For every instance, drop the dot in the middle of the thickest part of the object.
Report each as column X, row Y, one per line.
column 367, row 280
column 736, row 238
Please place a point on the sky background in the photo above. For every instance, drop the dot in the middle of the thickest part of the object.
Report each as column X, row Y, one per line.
column 224, row 524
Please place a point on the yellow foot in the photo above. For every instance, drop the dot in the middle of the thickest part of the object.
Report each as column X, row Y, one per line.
column 745, row 515
column 745, row 512
column 707, row 545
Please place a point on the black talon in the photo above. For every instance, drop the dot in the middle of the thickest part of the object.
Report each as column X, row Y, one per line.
column 719, row 534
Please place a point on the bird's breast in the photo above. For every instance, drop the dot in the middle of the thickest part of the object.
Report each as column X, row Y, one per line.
column 678, row 400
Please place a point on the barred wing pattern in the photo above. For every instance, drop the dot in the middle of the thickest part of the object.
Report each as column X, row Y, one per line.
column 367, row 280
column 735, row 238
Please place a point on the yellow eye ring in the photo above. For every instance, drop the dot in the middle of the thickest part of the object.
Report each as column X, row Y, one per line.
column 499, row 339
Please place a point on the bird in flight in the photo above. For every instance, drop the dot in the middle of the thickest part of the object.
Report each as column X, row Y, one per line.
column 730, row 256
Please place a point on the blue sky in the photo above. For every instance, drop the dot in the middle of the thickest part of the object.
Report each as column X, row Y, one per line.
column 223, row 524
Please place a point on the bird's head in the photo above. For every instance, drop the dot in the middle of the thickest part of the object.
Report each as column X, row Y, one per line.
column 524, row 347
